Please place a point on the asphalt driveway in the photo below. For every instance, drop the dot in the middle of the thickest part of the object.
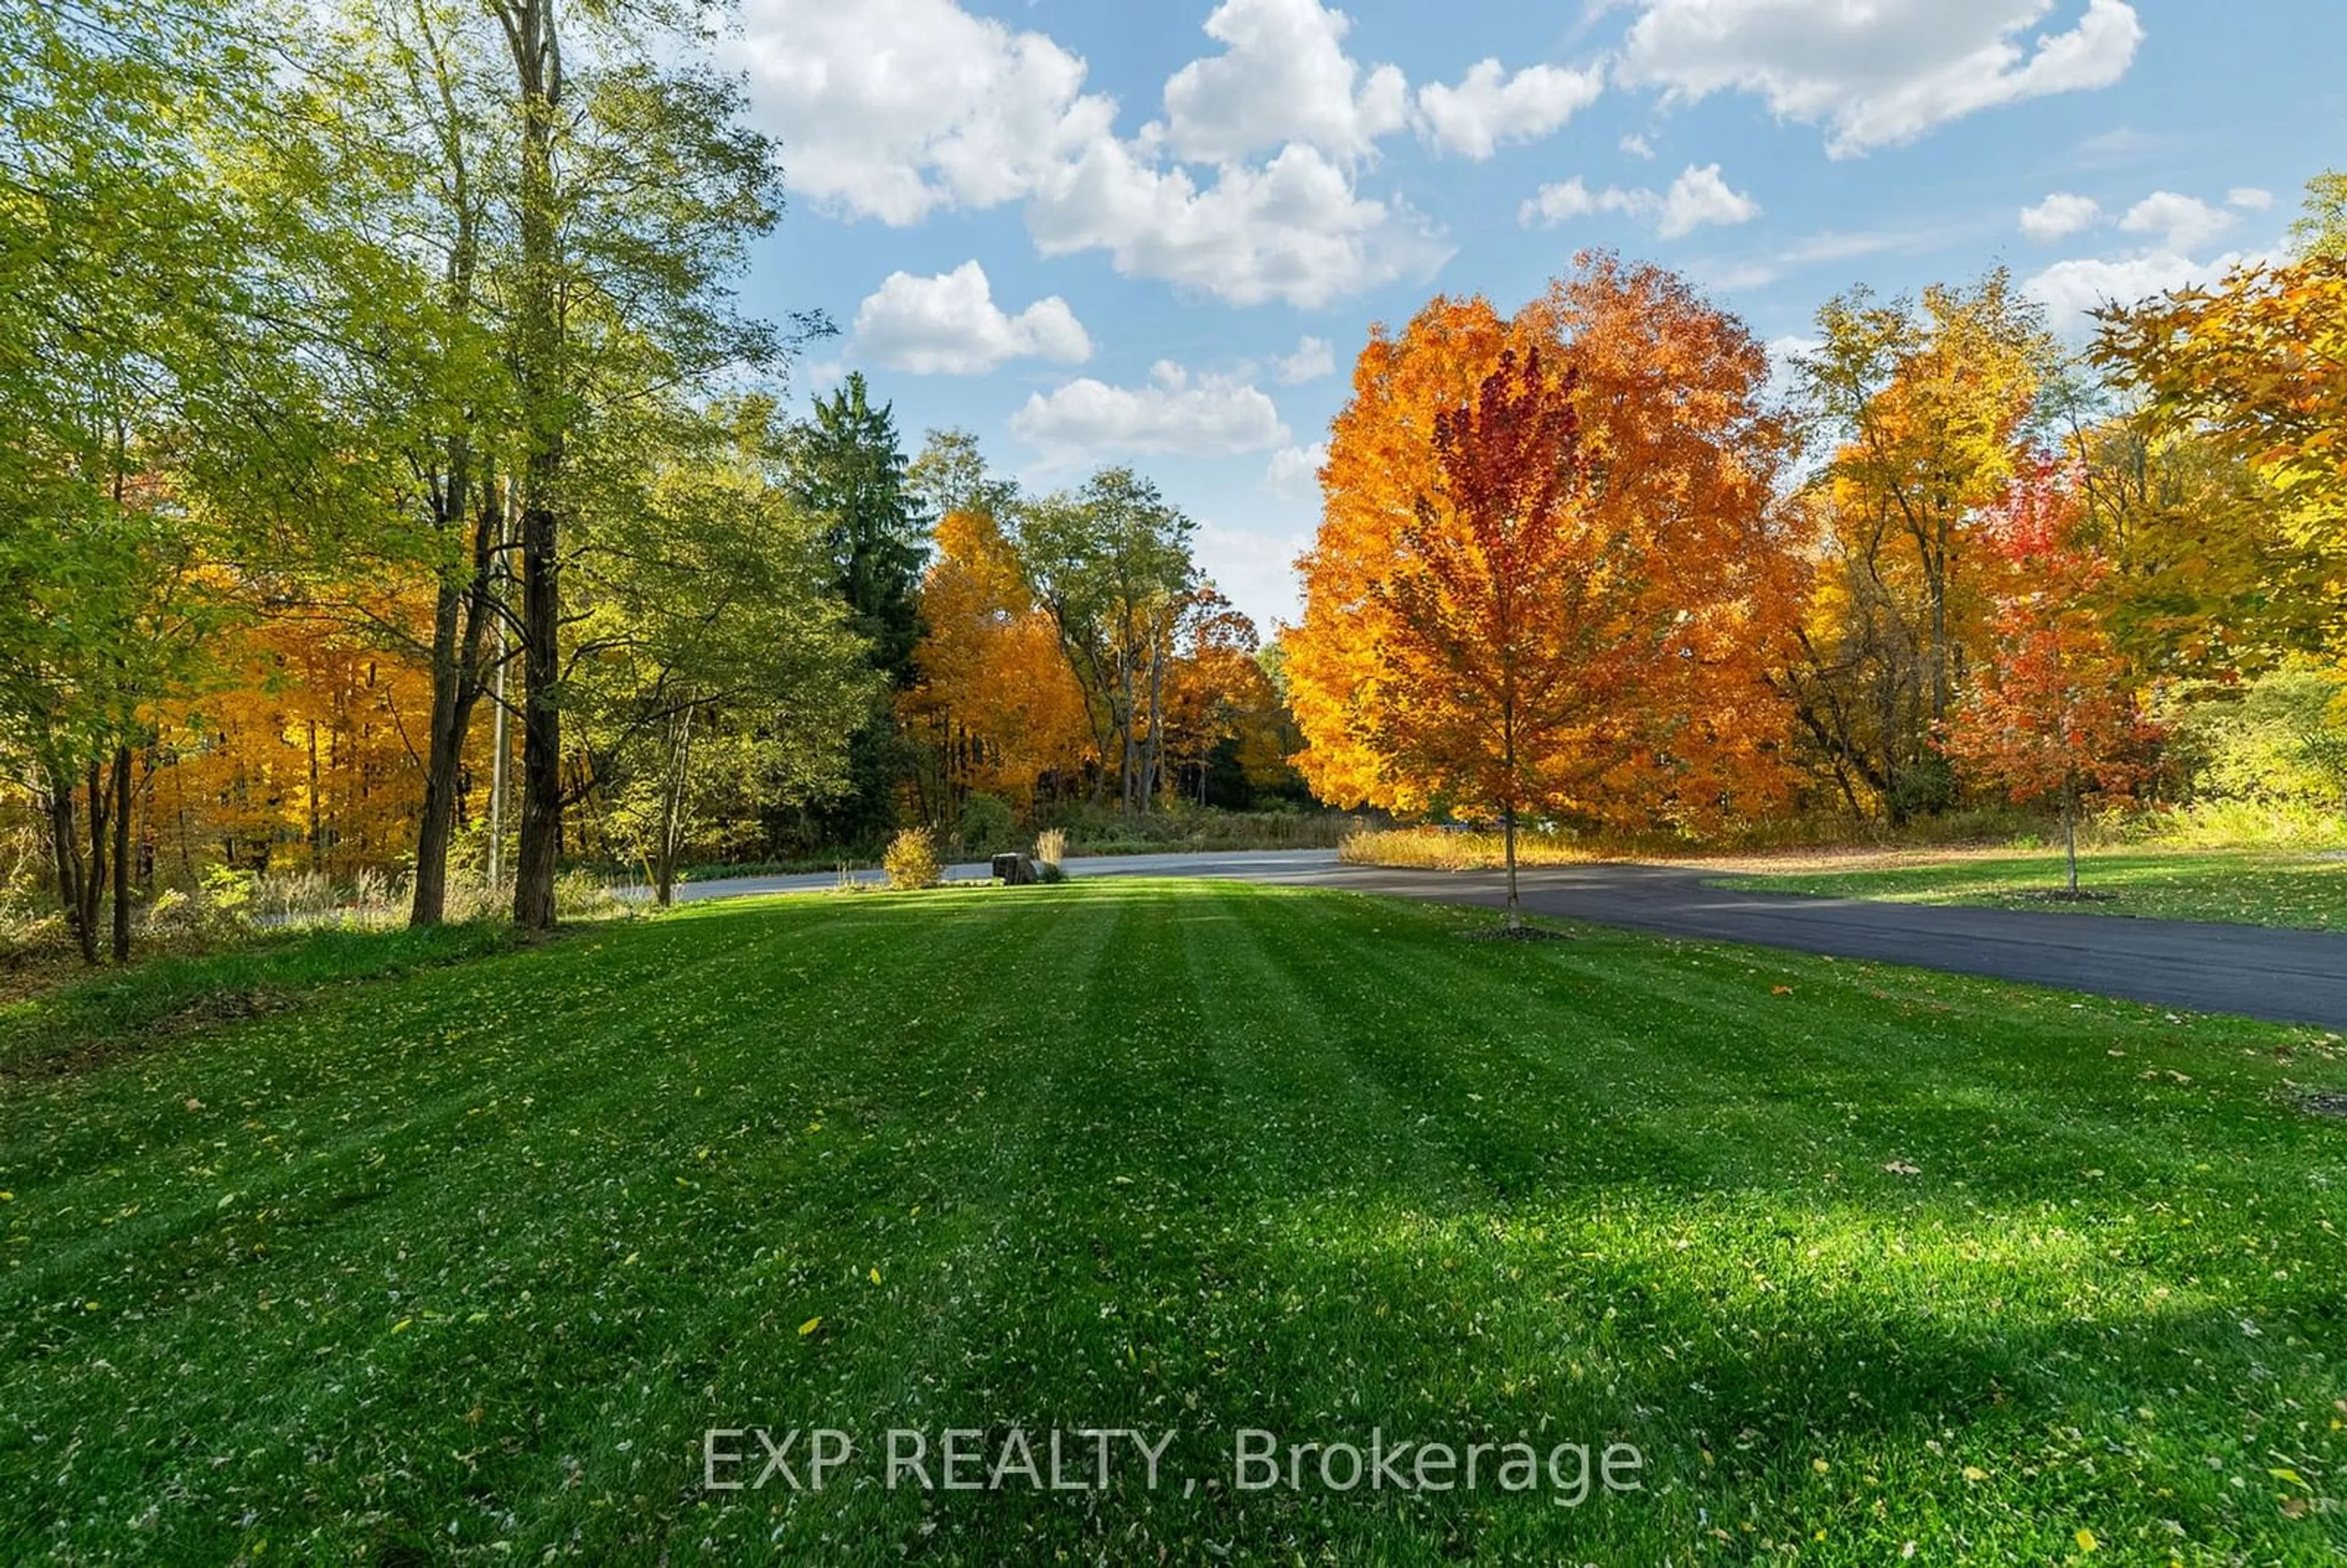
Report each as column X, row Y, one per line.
column 2292, row 977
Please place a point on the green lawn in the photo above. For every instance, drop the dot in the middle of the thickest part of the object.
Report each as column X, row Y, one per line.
column 2257, row 888
column 462, row 1262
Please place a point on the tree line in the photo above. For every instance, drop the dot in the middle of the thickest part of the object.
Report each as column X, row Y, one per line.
column 1584, row 565
column 393, row 481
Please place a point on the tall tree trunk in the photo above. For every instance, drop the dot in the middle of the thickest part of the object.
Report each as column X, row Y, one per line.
column 122, row 785
column 459, row 609
column 529, row 29
column 540, row 845
column 64, row 844
column 1129, row 751
column 1937, row 578
column 93, row 884
column 673, row 807
column 442, row 756
column 460, row 619
column 1156, row 756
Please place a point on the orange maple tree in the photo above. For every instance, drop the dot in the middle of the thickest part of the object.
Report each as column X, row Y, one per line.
column 1214, row 687
column 2054, row 712
column 993, row 689
column 1668, row 581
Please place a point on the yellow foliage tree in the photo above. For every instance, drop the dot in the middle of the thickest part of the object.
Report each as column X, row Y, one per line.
column 993, row 691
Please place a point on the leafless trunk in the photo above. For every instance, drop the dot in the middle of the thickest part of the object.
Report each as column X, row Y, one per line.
column 1508, row 834
column 2070, row 830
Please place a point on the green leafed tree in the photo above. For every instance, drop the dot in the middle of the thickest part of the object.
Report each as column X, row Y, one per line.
column 1111, row 562
column 139, row 334
column 715, row 673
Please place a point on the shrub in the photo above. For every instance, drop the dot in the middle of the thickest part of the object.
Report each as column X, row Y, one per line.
column 1049, row 871
column 912, row 859
column 987, row 827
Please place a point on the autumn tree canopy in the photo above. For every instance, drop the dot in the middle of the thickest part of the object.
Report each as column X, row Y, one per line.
column 1668, row 584
column 993, row 695
column 1930, row 406
column 2259, row 365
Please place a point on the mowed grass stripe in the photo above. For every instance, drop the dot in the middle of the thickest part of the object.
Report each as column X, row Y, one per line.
column 1190, row 1157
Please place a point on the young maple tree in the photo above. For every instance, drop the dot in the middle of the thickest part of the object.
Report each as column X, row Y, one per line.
column 1494, row 650
column 2054, row 713
column 1652, row 581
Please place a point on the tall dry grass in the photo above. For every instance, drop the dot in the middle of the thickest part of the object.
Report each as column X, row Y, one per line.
column 1446, row 849
column 1051, row 845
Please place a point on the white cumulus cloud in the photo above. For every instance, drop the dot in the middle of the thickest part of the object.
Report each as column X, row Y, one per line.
column 1283, row 76
column 1312, row 360
column 950, row 325
column 1257, row 568
column 2179, row 222
column 1697, row 198
column 1295, row 230
column 961, row 112
column 1883, row 71
column 2073, row 290
column 1490, row 107
column 2059, row 216
column 956, row 111
column 1638, row 146
column 1173, row 411
column 1700, row 197
column 2248, row 197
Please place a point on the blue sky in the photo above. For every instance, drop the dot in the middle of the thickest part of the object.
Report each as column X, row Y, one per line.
column 1158, row 233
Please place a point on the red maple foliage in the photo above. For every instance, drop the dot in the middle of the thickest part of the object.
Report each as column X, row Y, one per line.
column 2054, row 712
column 1494, row 651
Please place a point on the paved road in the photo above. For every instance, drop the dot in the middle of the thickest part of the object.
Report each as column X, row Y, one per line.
column 2293, row 977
